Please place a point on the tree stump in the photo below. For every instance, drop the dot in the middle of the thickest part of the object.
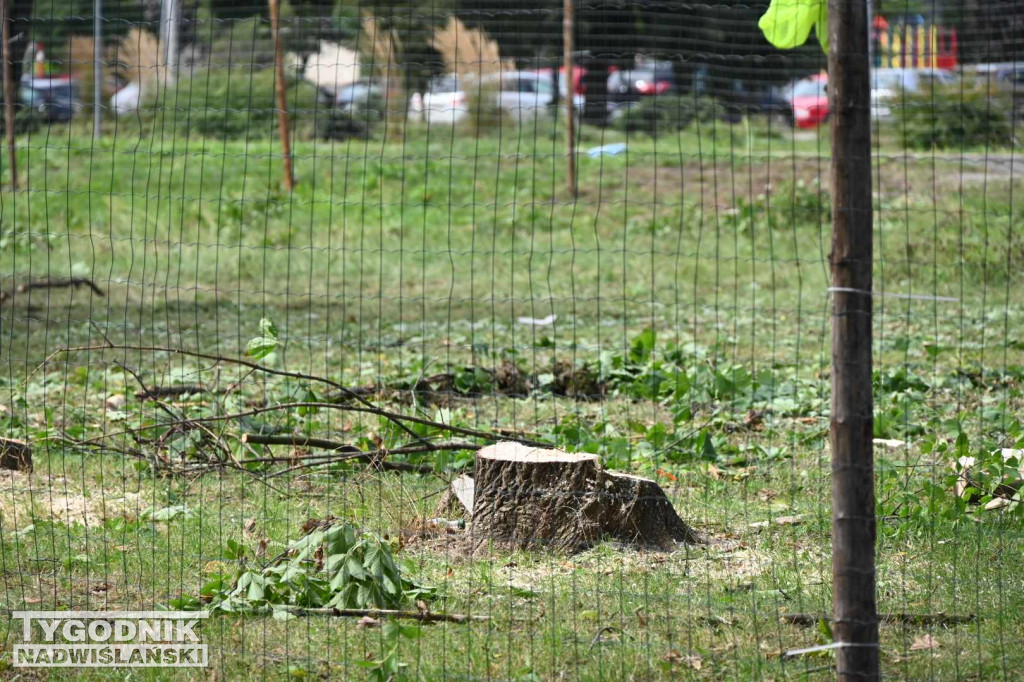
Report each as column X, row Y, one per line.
column 15, row 455
column 535, row 498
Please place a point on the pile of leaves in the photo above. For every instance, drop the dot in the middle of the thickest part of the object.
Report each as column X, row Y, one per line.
column 334, row 565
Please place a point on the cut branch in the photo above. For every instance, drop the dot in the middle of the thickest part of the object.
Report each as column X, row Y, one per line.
column 170, row 391
column 422, row 616
column 299, row 441
column 368, row 406
column 341, row 452
column 59, row 283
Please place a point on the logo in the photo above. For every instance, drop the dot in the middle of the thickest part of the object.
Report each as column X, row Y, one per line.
column 110, row 639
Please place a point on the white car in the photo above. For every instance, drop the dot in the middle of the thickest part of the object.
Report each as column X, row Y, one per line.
column 127, row 99
column 522, row 94
column 887, row 84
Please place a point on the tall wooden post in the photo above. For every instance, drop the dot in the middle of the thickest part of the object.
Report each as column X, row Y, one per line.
column 282, row 97
column 5, row 35
column 853, row 496
column 97, row 68
column 570, row 120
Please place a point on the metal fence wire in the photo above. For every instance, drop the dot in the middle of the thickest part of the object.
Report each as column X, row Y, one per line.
column 493, row 340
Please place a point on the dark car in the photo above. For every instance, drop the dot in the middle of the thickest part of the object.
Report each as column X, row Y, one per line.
column 630, row 85
column 740, row 100
column 51, row 99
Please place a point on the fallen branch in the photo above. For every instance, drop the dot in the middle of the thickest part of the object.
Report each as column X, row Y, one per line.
column 809, row 619
column 422, row 616
column 170, row 391
column 166, row 465
column 375, row 457
column 298, row 441
column 368, row 406
column 462, row 431
column 63, row 283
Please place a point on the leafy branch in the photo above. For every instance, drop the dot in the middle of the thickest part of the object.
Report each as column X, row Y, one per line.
column 334, row 568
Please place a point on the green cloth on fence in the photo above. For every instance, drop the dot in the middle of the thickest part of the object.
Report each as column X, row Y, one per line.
column 787, row 23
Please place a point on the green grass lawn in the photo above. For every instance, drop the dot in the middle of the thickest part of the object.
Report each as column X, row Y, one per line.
column 689, row 282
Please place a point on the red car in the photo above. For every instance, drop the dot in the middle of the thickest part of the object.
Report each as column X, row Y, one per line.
column 810, row 101
column 578, row 72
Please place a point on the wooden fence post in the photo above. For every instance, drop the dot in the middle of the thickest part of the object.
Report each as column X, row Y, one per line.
column 5, row 35
column 283, row 124
column 570, row 121
column 855, row 617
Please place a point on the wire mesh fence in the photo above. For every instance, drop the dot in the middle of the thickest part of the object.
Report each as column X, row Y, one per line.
column 266, row 294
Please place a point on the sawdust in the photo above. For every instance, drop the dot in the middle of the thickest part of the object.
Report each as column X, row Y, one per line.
column 26, row 499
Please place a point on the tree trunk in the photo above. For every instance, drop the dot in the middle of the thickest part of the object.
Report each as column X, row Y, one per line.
column 533, row 498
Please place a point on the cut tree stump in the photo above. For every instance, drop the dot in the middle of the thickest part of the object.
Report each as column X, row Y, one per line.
column 15, row 455
column 529, row 497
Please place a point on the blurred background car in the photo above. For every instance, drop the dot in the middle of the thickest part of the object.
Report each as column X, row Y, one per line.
column 740, row 101
column 887, row 84
column 809, row 101
column 52, row 99
column 627, row 86
column 520, row 94
column 360, row 96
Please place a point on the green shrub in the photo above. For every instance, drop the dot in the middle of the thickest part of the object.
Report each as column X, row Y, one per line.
column 242, row 42
column 951, row 117
column 484, row 115
column 656, row 115
column 233, row 104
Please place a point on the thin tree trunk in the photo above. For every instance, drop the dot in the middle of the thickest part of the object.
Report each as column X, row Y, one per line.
column 282, row 97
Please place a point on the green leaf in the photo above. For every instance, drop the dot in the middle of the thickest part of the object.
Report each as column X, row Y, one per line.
column 185, row 603
column 167, row 513
column 355, row 568
column 825, row 630
column 788, row 23
column 268, row 328
column 642, row 347
column 264, row 344
column 256, row 591
column 283, row 615
column 234, row 550
column 308, row 396
column 705, row 446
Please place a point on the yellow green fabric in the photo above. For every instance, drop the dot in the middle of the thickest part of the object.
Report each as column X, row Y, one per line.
column 787, row 23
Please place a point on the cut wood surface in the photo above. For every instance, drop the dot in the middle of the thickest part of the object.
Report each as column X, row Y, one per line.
column 535, row 497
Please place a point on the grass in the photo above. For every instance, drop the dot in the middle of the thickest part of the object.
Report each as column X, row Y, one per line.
column 400, row 259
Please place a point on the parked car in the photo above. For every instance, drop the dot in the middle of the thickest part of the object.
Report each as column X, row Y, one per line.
column 626, row 86
column 359, row 96
column 53, row 99
column 578, row 74
column 578, row 79
column 1013, row 75
column 740, row 101
column 520, row 93
column 887, row 84
column 127, row 98
column 809, row 100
